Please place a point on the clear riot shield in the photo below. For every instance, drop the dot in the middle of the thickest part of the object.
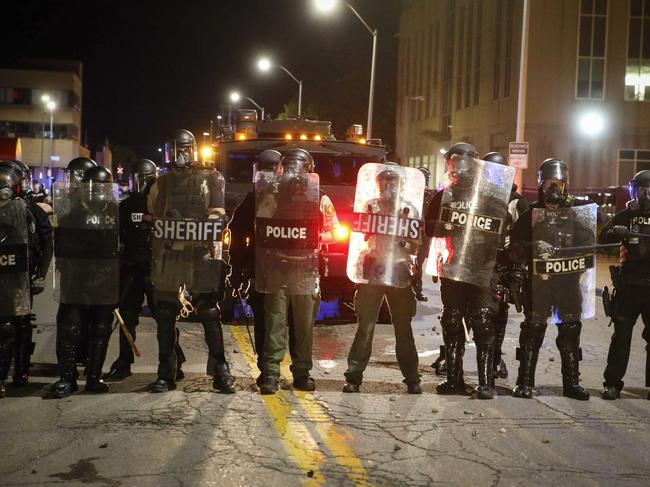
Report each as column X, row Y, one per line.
column 287, row 222
column 86, row 242
column 14, row 259
column 387, row 220
column 187, row 240
column 563, row 272
column 471, row 219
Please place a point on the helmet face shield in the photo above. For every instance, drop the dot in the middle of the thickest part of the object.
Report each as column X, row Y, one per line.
column 461, row 170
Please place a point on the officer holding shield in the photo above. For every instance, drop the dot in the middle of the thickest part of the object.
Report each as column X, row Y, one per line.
column 465, row 221
column 188, row 273
column 18, row 249
column 382, row 260
column 552, row 247
column 86, row 250
column 292, row 219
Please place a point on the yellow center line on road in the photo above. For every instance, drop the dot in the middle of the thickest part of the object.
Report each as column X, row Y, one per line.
column 336, row 439
column 296, row 438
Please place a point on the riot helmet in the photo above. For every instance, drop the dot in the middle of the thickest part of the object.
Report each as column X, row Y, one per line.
column 181, row 149
column 496, row 158
column 268, row 163
column 97, row 191
column 10, row 179
column 143, row 172
column 389, row 183
column 552, row 181
column 461, row 149
column 298, row 161
column 427, row 175
column 640, row 190
column 23, row 173
column 461, row 170
column 77, row 167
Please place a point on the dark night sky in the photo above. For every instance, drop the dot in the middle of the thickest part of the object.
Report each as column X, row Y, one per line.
column 152, row 66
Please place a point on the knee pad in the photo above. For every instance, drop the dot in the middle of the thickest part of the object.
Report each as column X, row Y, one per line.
column 452, row 322
column 532, row 334
column 568, row 335
column 482, row 323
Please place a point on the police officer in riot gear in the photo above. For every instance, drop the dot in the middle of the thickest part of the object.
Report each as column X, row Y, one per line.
column 242, row 252
column 383, row 266
column 290, row 282
column 188, row 194
column 517, row 206
column 135, row 265
column 19, row 254
column 86, row 246
column 39, row 264
column 631, row 282
column 461, row 299
column 562, row 296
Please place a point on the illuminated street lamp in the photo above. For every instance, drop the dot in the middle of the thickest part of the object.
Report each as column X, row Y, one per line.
column 327, row 6
column 236, row 96
column 264, row 64
column 591, row 124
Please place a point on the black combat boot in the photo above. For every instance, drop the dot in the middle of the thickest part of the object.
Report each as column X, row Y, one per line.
column 223, row 381
column 485, row 360
column 304, row 383
column 568, row 343
column 3, row 390
column 440, row 365
column 64, row 387
column 571, row 375
column 455, row 383
column 163, row 385
column 119, row 370
column 527, row 357
column 611, row 393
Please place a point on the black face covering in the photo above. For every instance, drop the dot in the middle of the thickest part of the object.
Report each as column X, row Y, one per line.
column 554, row 194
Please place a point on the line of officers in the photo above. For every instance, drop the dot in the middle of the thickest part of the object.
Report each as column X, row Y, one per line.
column 101, row 264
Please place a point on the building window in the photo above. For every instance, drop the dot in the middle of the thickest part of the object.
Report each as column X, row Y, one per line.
column 631, row 161
column 637, row 71
column 592, row 46
column 16, row 96
column 427, row 87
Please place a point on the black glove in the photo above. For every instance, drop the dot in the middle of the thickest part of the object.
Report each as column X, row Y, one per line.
column 516, row 277
column 544, row 249
column 619, row 231
column 37, row 285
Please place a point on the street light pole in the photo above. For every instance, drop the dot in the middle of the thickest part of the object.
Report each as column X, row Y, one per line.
column 299, row 87
column 371, row 96
column 51, row 106
column 523, row 79
column 261, row 109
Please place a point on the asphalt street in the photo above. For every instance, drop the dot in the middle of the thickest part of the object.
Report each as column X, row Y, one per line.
column 382, row 436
